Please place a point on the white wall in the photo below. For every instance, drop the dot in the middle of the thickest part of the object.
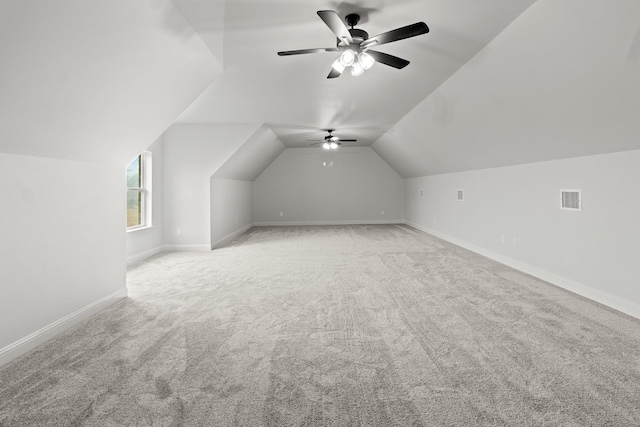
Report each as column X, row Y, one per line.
column 231, row 209
column 192, row 153
column 356, row 189
column 91, row 82
column 593, row 252
column 62, row 246
column 145, row 242
column 232, row 185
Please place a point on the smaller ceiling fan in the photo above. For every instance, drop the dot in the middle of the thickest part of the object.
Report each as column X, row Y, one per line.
column 330, row 141
column 355, row 44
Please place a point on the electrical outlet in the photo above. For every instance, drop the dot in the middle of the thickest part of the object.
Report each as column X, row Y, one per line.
column 502, row 238
column 435, row 220
column 281, row 213
column 515, row 242
column 236, row 220
column 178, row 232
column 381, row 212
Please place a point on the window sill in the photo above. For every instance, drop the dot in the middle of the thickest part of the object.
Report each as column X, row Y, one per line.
column 138, row 228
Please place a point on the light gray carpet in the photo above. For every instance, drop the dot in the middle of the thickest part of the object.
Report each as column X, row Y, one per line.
column 333, row 326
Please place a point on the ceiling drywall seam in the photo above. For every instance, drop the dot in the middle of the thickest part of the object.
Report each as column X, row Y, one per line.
column 207, row 20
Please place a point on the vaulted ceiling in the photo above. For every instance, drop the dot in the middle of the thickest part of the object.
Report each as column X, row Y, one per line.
column 292, row 94
column 494, row 82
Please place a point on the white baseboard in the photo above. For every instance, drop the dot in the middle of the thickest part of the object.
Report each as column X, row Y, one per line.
column 186, row 248
column 31, row 341
column 143, row 255
column 231, row 236
column 612, row 301
column 348, row 222
column 167, row 248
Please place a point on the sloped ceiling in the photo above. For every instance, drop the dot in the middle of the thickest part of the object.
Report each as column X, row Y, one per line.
column 562, row 81
column 495, row 82
column 292, row 94
column 95, row 80
column 204, row 148
column 253, row 157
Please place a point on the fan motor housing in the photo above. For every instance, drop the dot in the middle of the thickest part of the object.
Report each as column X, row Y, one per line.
column 352, row 19
column 358, row 35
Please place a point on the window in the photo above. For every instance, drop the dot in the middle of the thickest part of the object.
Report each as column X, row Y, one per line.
column 139, row 192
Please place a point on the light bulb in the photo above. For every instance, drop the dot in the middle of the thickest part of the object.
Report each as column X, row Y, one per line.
column 333, row 145
column 326, row 146
column 338, row 65
column 356, row 69
column 333, row 138
column 347, row 57
column 366, row 60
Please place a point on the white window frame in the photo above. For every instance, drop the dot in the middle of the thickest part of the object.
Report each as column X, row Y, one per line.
column 145, row 191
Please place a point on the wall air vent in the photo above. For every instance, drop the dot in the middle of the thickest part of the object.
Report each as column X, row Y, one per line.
column 571, row 200
column 460, row 195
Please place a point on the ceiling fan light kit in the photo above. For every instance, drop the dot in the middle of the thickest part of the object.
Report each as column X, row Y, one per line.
column 348, row 57
column 338, row 66
column 359, row 63
column 356, row 69
column 332, row 142
column 366, row 60
column 354, row 44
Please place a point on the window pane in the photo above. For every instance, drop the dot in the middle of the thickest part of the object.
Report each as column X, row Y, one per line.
column 134, row 173
column 134, row 208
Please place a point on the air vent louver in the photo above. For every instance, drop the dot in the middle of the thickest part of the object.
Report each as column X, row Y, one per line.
column 460, row 195
column 571, row 200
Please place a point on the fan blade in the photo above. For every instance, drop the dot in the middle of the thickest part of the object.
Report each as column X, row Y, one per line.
column 397, row 34
column 336, row 25
column 334, row 73
column 348, row 140
column 301, row 51
column 386, row 59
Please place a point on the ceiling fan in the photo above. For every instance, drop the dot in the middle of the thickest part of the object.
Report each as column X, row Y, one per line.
column 355, row 44
column 330, row 141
